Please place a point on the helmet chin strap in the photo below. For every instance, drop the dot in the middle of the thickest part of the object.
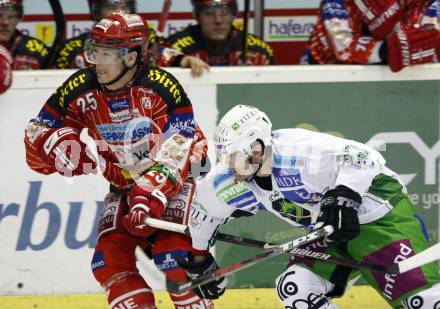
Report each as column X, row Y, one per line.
column 120, row 75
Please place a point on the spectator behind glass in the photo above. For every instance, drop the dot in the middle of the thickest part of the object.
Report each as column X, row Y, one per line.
column 393, row 32
column 215, row 40
column 6, row 62
column 71, row 55
column 28, row 53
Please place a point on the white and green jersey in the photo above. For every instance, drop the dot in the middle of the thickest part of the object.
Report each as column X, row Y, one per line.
column 305, row 165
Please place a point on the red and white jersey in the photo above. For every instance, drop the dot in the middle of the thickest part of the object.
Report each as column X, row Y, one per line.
column 340, row 35
column 147, row 125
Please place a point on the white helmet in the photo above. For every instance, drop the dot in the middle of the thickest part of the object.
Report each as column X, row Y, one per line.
column 239, row 128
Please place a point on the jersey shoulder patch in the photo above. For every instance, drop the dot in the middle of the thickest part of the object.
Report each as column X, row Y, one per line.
column 258, row 45
column 185, row 40
column 167, row 86
column 78, row 83
column 68, row 50
column 33, row 46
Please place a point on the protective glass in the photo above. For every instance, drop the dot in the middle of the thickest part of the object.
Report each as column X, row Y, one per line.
column 102, row 54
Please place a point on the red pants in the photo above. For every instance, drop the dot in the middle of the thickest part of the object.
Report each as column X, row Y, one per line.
column 114, row 262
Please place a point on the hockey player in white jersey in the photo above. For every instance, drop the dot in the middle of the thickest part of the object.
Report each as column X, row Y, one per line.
column 309, row 179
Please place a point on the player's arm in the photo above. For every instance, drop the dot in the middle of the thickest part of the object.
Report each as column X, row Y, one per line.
column 357, row 165
column 410, row 46
column 172, row 141
column 52, row 138
column 37, row 50
column 216, row 202
column 403, row 46
column 348, row 44
column 167, row 56
column 263, row 51
column 66, row 54
column 380, row 16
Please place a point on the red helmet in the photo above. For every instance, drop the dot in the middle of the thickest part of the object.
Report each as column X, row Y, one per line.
column 198, row 5
column 17, row 4
column 121, row 31
column 96, row 6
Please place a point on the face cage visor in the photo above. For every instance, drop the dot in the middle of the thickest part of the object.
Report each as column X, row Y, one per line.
column 103, row 54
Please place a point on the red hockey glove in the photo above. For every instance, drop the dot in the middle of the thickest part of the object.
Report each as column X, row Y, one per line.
column 70, row 156
column 143, row 204
column 380, row 15
column 412, row 46
column 5, row 69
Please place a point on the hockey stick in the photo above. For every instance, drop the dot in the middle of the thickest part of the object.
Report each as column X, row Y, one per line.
column 244, row 41
column 238, row 240
column 325, row 257
column 164, row 16
column 175, row 287
column 60, row 29
column 165, row 225
column 427, row 256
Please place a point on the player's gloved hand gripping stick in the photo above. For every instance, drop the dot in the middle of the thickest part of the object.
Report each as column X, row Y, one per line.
column 275, row 250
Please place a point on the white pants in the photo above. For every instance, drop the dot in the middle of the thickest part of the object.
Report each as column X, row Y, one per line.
column 299, row 288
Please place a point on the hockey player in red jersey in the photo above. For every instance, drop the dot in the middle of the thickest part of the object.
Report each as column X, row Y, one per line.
column 393, row 32
column 215, row 40
column 144, row 127
column 29, row 53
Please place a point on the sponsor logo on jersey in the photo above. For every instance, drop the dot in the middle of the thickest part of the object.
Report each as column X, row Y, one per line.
column 146, row 102
column 37, row 46
column 394, row 286
column 69, row 86
column 237, row 195
column 145, row 90
column 68, row 49
column 292, row 188
column 183, row 43
column 167, row 261
column 287, row 178
column 48, row 119
column 289, row 161
column 125, row 131
column 243, row 201
column 120, row 116
column 183, row 123
column 292, row 211
column 221, row 177
column 162, row 78
column 98, row 260
column 232, row 191
column 118, row 105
